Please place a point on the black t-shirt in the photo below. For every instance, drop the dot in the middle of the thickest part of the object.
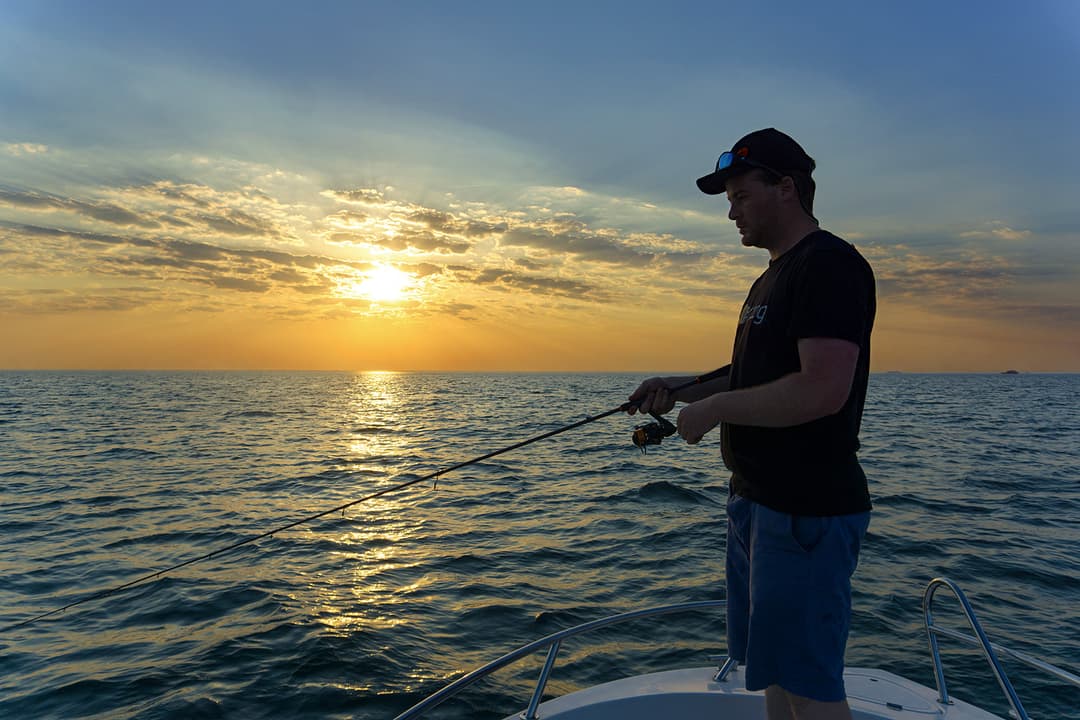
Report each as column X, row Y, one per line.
column 821, row 287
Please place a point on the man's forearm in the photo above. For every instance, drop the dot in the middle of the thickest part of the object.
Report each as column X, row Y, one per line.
column 792, row 400
column 820, row 388
column 697, row 392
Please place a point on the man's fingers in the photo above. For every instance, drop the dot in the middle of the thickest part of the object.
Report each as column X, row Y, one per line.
column 651, row 395
column 683, row 426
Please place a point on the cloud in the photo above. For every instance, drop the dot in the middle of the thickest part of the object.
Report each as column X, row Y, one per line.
column 969, row 282
column 1065, row 317
column 401, row 241
column 239, row 283
column 999, row 230
column 359, row 196
column 25, row 149
column 459, row 310
column 399, row 226
column 348, row 219
column 450, row 224
column 310, row 252
column 402, row 226
column 200, row 210
column 194, row 250
column 171, row 269
column 52, row 301
column 947, row 278
column 195, row 210
column 511, row 280
column 234, row 222
column 105, row 212
column 535, row 250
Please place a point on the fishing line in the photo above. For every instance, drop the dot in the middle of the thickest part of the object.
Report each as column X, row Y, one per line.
column 342, row 508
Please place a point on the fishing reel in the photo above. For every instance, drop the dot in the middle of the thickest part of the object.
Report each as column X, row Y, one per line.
column 653, row 433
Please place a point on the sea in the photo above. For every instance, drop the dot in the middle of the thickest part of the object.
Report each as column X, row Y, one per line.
column 106, row 477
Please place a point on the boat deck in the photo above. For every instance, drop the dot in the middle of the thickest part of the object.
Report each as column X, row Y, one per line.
column 692, row 693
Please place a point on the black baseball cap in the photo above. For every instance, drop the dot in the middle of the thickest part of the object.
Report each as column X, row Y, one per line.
column 768, row 149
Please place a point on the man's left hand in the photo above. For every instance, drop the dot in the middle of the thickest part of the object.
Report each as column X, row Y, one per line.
column 696, row 419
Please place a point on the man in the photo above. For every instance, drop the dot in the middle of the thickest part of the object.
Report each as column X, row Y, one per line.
column 789, row 412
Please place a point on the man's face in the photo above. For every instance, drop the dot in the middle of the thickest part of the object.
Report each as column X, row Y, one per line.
column 754, row 208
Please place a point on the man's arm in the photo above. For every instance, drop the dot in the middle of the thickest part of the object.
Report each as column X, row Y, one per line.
column 656, row 396
column 821, row 387
column 697, row 392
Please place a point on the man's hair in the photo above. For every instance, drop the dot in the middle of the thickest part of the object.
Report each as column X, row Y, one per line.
column 804, row 186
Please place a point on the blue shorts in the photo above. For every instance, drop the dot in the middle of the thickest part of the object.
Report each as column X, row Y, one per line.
column 789, row 596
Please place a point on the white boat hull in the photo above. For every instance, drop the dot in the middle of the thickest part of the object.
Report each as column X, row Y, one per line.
column 692, row 694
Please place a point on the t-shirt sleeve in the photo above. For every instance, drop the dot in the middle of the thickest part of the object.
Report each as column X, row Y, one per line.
column 834, row 297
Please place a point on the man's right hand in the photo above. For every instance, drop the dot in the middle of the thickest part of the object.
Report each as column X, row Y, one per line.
column 654, row 396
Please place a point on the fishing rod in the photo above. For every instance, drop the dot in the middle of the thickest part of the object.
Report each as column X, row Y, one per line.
column 644, row 435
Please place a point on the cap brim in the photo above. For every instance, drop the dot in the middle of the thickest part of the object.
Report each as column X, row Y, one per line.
column 716, row 182
column 713, row 183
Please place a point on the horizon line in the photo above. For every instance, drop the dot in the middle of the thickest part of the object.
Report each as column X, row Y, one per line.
column 1007, row 371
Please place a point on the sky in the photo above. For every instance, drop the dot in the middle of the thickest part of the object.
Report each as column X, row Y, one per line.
column 506, row 186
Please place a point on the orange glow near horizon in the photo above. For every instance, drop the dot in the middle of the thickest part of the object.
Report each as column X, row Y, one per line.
column 520, row 338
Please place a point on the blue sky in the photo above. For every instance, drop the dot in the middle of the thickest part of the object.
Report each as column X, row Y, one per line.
column 945, row 135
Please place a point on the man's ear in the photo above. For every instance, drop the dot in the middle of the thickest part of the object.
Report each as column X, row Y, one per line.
column 789, row 188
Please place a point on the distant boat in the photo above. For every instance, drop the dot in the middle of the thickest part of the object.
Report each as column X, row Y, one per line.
column 1011, row 372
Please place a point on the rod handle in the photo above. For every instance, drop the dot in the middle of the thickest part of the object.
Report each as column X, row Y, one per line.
column 709, row 376
column 699, row 380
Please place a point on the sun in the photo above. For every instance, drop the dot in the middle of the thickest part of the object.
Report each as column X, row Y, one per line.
column 384, row 283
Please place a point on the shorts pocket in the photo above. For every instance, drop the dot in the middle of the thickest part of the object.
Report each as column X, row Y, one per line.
column 808, row 531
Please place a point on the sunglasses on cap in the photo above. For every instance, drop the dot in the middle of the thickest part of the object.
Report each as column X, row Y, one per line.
column 728, row 158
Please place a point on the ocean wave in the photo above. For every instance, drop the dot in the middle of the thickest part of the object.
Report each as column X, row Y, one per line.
column 20, row 473
column 263, row 414
column 123, row 453
column 665, row 491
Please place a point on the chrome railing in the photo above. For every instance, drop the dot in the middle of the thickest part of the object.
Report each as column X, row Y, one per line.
column 553, row 643
column 990, row 650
